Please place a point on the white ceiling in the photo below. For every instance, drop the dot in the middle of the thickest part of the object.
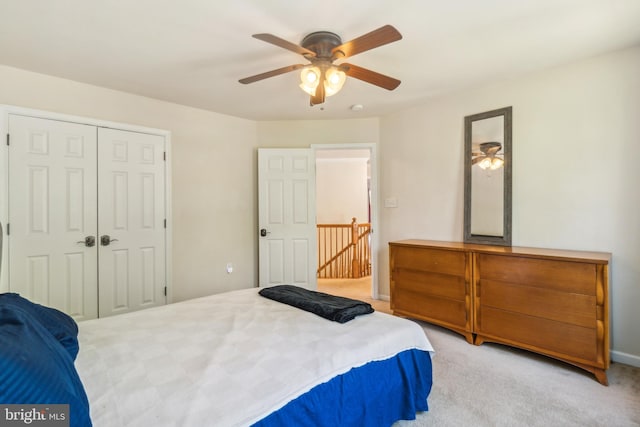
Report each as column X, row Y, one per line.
column 193, row 52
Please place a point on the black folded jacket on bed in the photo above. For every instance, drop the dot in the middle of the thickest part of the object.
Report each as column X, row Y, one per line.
column 331, row 307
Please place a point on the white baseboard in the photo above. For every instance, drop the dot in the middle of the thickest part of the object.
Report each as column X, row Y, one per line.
column 627, row 359
column 384, row 297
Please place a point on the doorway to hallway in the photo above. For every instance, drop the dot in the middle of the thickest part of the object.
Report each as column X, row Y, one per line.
column 346, row 189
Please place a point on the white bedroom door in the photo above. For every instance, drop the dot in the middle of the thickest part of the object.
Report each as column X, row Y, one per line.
column 131, row 225
column 53, row 214
column 286, row 217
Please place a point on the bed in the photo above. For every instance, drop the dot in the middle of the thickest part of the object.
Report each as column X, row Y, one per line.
column 237, row 359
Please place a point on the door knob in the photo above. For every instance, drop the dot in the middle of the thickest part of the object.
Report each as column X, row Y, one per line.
column 264, row 232
column 88, row 241
column 105, row 240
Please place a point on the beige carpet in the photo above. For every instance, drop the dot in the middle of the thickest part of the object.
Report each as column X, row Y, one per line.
column 494, row 385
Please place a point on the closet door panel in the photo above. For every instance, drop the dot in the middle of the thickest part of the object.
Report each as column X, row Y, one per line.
column 52, row 210
column 131, row 176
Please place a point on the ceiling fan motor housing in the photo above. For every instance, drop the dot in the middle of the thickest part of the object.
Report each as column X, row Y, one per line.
column 490, row 148
column 321, row 42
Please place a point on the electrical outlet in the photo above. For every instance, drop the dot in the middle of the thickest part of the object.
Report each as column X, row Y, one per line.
column 229, row 268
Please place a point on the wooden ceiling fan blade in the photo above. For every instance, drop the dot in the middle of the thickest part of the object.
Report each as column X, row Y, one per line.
column 380, row 37
column 270, row 38
column 477, row 159
column 319, row 97
column 369, row 76
column 271, row 73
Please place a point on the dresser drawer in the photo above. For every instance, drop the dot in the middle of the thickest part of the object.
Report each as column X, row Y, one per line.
column 442, row 311
column 563, row 276
column 539, row 334
column 576, row 309
column 431, row 260
column 428, row 283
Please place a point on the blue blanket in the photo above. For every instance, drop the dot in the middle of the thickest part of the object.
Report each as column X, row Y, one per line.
column 38, row 346
column 374, row 395
column 331, row 307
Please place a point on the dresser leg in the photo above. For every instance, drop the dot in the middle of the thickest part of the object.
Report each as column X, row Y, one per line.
column 601, row 376
column 469, row 337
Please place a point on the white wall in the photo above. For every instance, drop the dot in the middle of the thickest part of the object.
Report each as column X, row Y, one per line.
column 304, row 133
column 576, row 171
column 341, row 191
column 214, row 219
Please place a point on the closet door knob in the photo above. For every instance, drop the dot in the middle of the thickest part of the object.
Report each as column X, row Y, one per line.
column 105, row 240
column 88, row 241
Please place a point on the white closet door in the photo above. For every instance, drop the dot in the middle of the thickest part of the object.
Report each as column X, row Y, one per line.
column 131, row 176
column 52, row 210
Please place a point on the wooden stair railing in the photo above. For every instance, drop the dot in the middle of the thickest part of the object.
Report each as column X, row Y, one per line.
column 344, row 250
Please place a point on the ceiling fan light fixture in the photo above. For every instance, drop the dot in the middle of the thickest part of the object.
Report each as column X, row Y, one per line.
column 322, row 48
column 491, row 163
column 334, row 80
column 310, row 78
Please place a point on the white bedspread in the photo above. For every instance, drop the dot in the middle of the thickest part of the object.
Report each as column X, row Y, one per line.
column 228, row 359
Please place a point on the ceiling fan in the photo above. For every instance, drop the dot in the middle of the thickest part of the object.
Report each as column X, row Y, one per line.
column 322, row 77
column 489, row 156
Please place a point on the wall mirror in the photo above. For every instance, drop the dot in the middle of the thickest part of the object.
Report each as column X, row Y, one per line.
column 487, row 177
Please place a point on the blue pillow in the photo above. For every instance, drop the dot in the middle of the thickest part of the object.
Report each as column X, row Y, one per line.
column 60, row 325
column 35, row 368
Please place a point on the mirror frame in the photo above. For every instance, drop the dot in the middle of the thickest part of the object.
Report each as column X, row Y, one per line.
column 505, row 239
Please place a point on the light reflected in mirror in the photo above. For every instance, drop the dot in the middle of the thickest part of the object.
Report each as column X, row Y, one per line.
column 488, row 177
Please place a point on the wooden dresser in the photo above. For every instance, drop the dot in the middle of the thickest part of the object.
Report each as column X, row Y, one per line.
column 553, row 302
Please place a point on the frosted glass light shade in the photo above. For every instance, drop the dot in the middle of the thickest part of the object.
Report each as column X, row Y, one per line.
column 334, row 80
column 310, row 78
column 491, row 163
